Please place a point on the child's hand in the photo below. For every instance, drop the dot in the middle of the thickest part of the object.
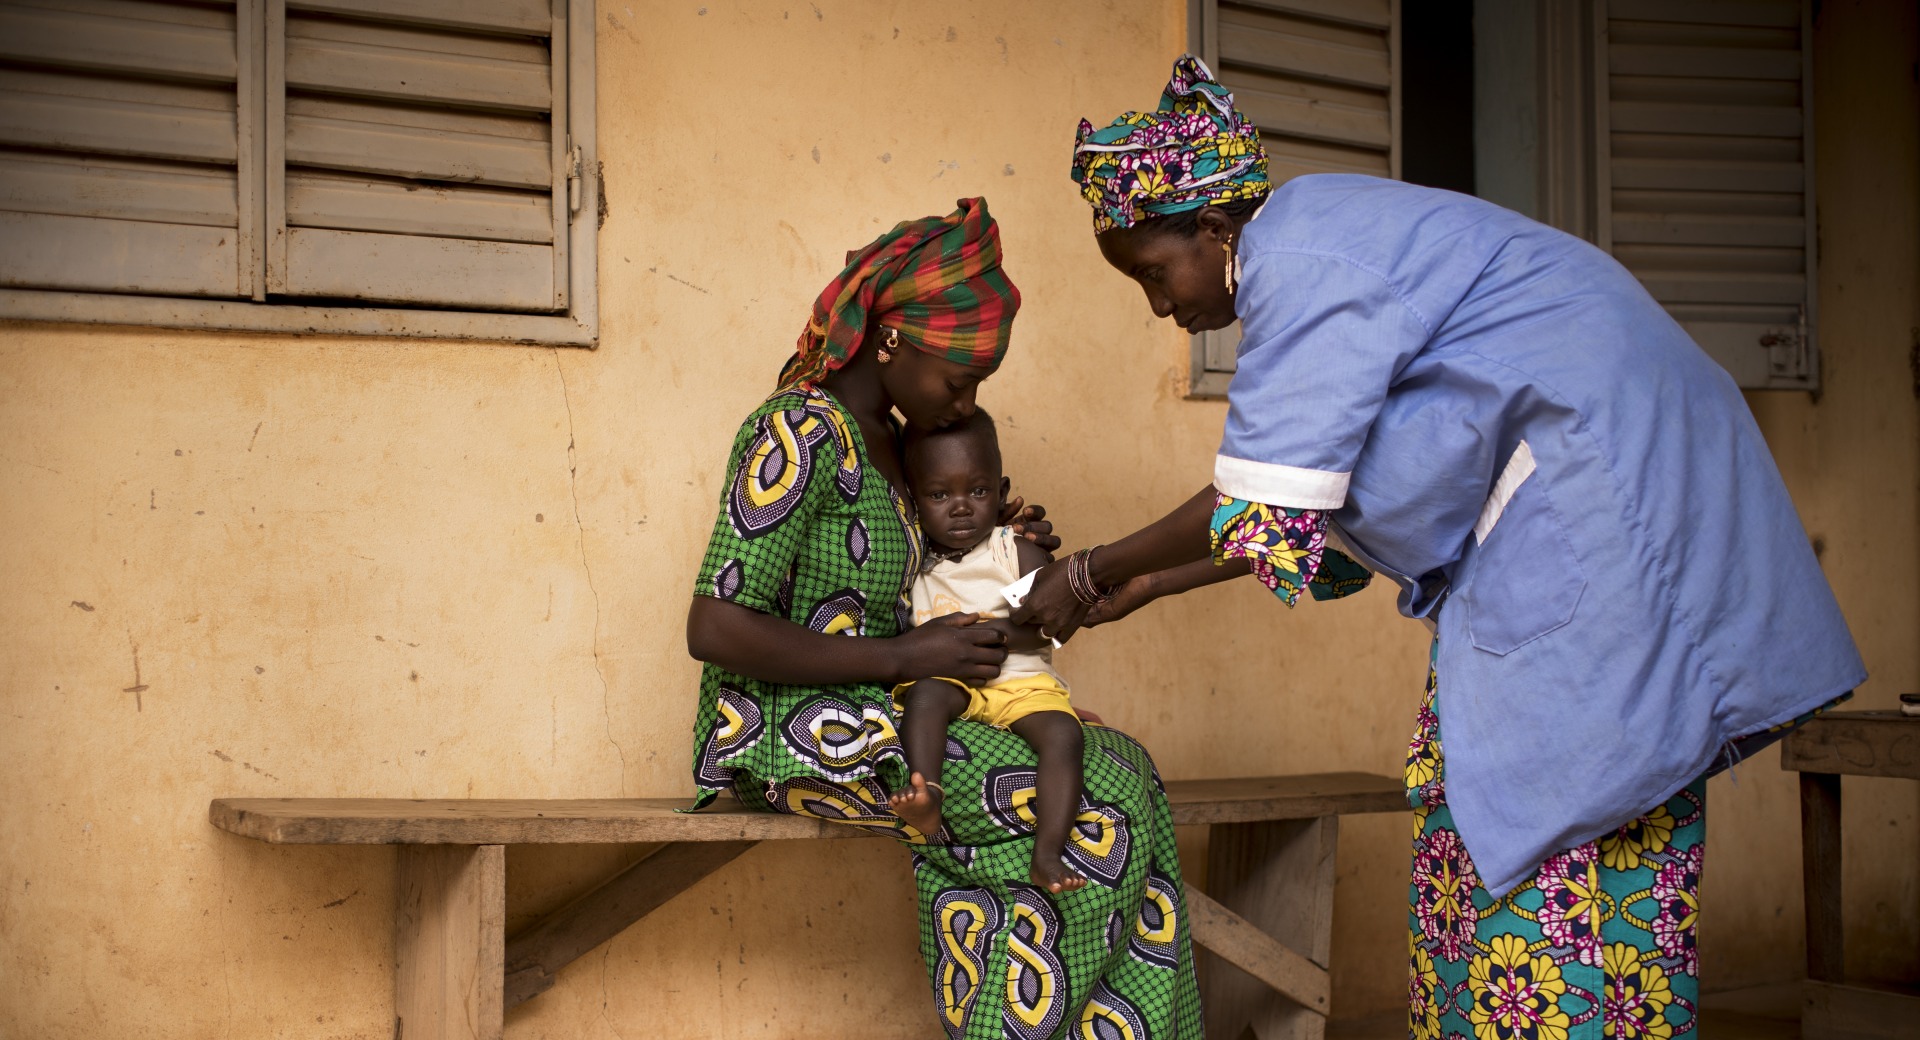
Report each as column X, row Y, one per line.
column 949, row 647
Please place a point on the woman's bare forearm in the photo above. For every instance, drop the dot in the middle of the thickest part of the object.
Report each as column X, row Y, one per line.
column 770, row 649
column 1174, row 540
column 1132, row 595
column 1189, row 576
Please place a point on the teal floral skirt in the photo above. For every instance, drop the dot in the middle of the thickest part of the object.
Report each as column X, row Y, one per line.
column 1600, row 943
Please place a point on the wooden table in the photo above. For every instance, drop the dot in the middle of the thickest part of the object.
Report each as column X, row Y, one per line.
column 1827, row 747
column 1268, row 921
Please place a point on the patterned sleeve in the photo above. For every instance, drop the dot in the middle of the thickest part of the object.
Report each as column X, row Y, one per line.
column 781, row 469
column 1286, row 549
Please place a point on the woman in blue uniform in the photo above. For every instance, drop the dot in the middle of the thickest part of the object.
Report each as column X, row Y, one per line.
column 1496, row 417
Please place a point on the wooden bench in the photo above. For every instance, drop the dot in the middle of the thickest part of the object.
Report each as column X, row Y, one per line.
column 1268, row 921
column 1849, row 743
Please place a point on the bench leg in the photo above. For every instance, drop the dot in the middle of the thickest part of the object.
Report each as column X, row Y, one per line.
column 1279, row 877
column 450, row 942
column 1820, row 867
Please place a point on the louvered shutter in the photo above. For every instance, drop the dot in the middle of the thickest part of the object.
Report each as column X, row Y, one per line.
column 126, row 147
column 423, row 154
column 1704, row 181
column 1320, row 78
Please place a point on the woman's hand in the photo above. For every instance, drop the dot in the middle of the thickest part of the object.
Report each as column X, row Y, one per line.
column 1051, row 604
column 1129, row 597
column 950, row 647
column 1019, row 639
column 1030, row 522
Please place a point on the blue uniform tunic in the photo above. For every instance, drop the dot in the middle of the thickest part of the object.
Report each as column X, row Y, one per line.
column 1500, row 419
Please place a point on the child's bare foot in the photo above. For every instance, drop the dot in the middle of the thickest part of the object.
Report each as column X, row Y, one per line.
column 1050, row 873
column 919, row 805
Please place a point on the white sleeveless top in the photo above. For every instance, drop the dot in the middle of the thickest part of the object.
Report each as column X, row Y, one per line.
column 972, row 584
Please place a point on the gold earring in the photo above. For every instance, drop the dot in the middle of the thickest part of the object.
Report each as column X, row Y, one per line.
column 1227, row 248
column 889, row 342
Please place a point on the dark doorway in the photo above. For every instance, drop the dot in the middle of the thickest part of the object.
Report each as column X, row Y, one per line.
column 1436, row 93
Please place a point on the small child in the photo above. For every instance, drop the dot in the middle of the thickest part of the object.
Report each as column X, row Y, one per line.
column 958, row 488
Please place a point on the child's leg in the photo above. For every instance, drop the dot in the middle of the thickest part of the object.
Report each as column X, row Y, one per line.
column 1055, row 738
column 928, row 707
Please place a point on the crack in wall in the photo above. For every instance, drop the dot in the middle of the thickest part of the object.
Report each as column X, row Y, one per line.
column 226, row 962
column 606, row 997
column 138, row 687
column 580, row 534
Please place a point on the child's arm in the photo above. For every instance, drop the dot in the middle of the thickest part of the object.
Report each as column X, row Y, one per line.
column 1024, row 638
column 1138, row 592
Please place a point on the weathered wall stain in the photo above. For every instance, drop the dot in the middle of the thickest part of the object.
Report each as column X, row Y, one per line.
column 138, row 688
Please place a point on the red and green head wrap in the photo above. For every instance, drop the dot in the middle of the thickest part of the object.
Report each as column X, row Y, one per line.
column 937, row 280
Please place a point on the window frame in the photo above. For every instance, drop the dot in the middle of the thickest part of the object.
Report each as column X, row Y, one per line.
column 577, row 326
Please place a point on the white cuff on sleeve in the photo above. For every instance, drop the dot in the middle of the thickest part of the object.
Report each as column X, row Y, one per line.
column 1276, row 485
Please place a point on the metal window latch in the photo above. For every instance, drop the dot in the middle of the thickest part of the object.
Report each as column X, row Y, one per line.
column 1787, row 349
column 573, row 177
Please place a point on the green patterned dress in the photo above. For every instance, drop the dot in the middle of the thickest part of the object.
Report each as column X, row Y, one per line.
column 810, row 532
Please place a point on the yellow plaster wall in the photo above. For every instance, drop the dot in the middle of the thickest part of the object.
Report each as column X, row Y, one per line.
column 1851, row 457
column 251, row 565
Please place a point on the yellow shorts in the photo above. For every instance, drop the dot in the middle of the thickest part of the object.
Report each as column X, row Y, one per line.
column 1004, row 704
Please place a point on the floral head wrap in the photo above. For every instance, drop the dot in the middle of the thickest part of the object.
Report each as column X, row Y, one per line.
column 1194, row 151
column 937, row 280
